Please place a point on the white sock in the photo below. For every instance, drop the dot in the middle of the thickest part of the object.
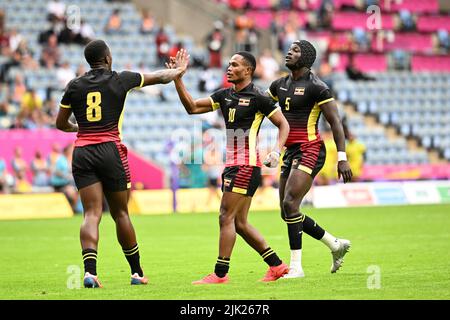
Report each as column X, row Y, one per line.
column 330, row 241
column 296, row 259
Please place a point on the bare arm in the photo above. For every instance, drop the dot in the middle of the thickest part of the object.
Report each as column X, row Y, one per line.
column 62, row 121
column 192, row 106
column 330, row 111
column 161, row 76
column 181, row 62
column 280, row 121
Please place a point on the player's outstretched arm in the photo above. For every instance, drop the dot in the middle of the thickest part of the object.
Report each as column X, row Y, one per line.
column 192, row 106
column 330, row 111
column 180, row 64
column 280, row 121
column 62, row 120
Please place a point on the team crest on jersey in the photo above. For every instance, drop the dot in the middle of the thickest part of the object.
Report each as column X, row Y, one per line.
column 227, row 182
column 299, row 91
column 244, row 102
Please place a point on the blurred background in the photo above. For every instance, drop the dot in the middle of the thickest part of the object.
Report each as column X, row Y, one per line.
column 387, row 63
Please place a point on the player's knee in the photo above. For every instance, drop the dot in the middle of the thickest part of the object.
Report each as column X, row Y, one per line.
column 92, row 216
column 290, row 206
column 240, row 226
column 225, row 216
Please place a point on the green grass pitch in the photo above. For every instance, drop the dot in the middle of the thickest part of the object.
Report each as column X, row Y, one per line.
column 408, row 245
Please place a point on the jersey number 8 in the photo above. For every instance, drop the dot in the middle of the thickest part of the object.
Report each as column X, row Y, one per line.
column 94, row 110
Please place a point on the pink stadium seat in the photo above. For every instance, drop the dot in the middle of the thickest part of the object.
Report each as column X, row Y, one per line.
column 262, row 19
column 433, row 23
column 431, row 63
column 364, row 62
column 370, row 62
column 350, row 20
column 414, row 42
column 342, row 63
column 424, row 6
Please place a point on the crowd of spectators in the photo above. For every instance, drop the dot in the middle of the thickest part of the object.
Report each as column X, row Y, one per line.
column 44, row 173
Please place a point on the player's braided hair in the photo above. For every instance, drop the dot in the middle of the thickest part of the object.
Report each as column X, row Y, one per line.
column 308, row 54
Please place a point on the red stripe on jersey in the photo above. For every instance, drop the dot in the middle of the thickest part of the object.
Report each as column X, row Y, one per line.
column 123, row 157
column 85, row 139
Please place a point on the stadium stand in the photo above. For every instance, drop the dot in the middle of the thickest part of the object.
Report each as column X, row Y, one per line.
column 408, row 57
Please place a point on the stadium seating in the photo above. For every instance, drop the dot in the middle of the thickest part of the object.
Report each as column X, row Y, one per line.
column 416, row 103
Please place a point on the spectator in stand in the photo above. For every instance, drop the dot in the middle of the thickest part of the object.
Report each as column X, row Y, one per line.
column 325, row 14
column 51, row 54
column 356, row 151
column 443, row 41
column 81, row 70
column 342, row 43
column 40, row 169
column 14, row 39
column 4, row 186
column 162, row 47
column 114, row 23
column 64, row 74
column 361, row 39
column 51, row 111
column 21, row 184
column 3, row 178
column 325, row 74
column 18, row 163
column 18, row 89
column 56, row 10
column 215, row 42
column 267, row 67
column 328, row 174
column 61, row 175
column 84, row 33
column 67, row 34
column 407, row 21
column 4, row 108
column 26, row 56
column 4, row 42
column 30, row 102
column 174, row 49
column 148, row 23
column 353, row 73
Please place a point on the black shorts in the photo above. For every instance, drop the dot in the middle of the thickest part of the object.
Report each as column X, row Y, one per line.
column 241, row 179
column 104, row 162
column 308, row 157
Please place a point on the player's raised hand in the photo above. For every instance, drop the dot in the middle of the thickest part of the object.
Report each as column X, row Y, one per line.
column 182, row 60
column 344, row 170
column 171, row 63
column 272, row 159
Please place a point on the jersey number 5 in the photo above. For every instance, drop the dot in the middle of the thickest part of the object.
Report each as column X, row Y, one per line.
column 286, row 103
column 94, row 110
column 231, row 114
